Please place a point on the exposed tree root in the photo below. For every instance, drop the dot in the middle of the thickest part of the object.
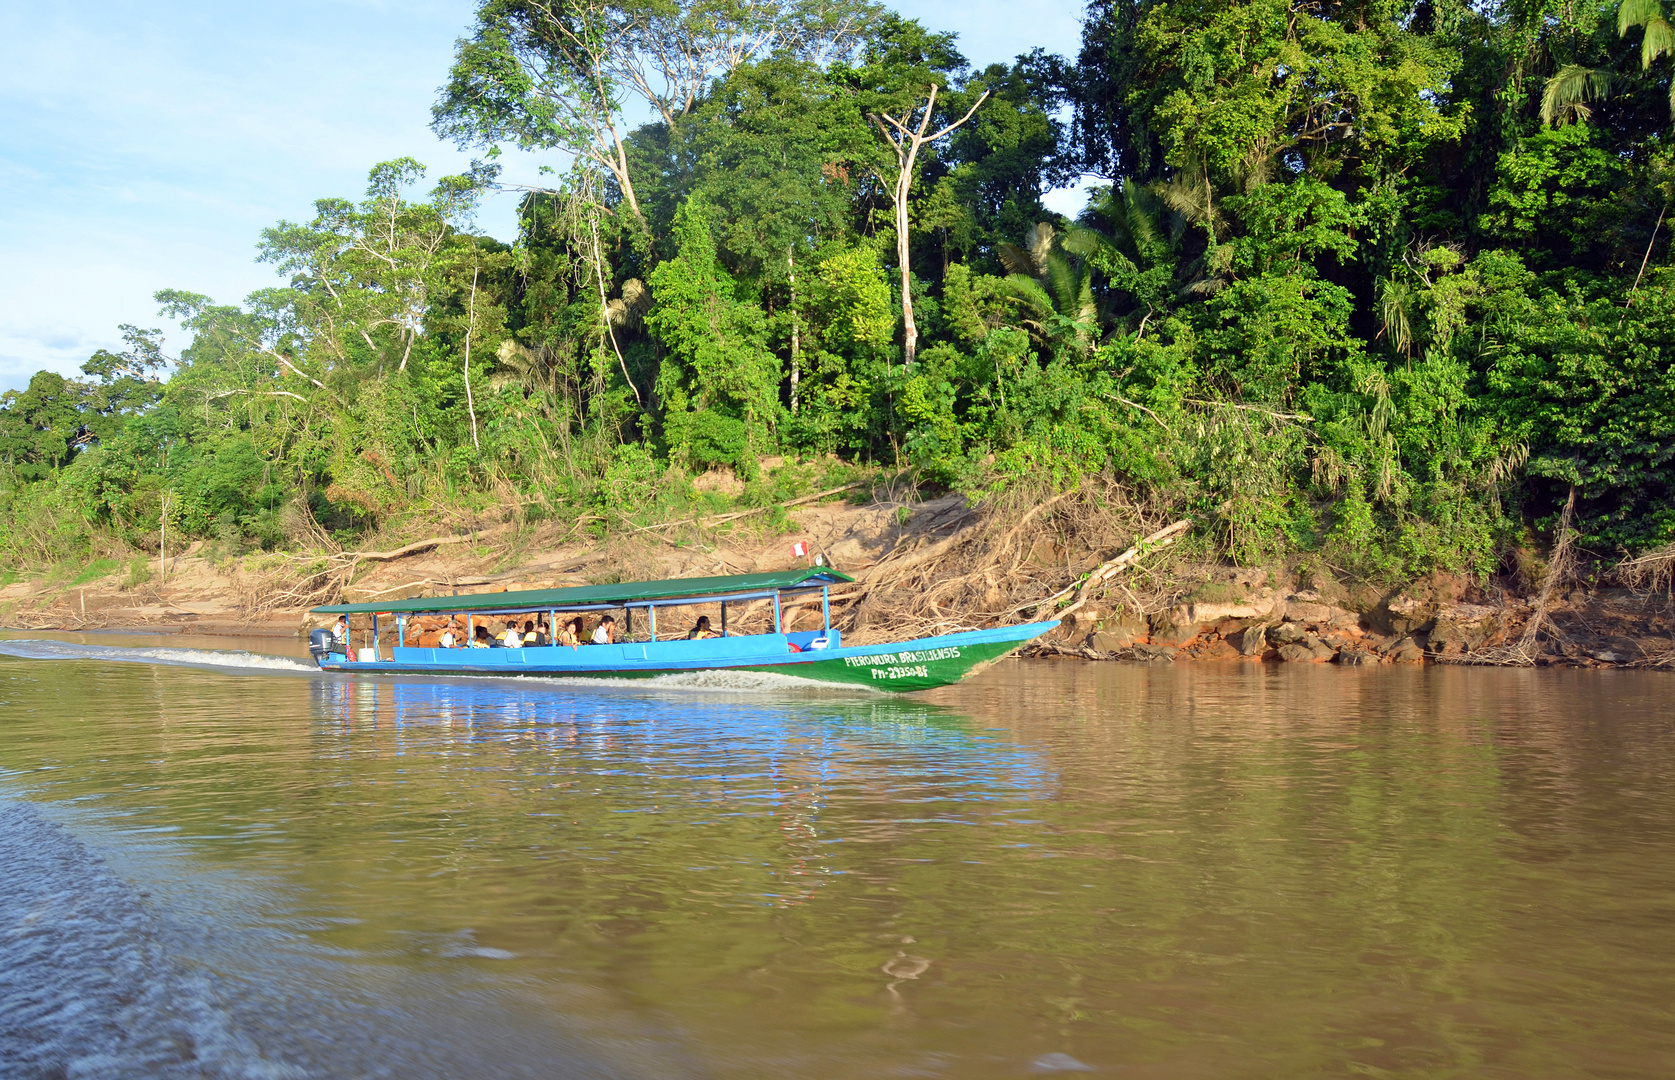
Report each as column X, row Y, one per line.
column 1022, row 553
column 1524, row 651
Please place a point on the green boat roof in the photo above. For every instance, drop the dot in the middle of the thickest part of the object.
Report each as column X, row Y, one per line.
column 595, row 596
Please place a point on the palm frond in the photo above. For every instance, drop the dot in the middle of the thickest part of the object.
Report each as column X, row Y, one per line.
column 1632, row 13
column 1191, row 196
column 1567, row 92
column 1039, row 240
column 1102, row 209
column 1034, row 306
column 1086, row 312
column 1017, row 260
column 1063, row 282
column 1084, row 241
column 1185, row 197
column 1143, row 213
column 1659, row 40
column 1394, row 301
column 1029, row 294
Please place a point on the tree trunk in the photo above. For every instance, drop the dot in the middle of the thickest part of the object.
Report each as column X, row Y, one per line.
column 796, row 356
column 605, row 309
column 619, row 164
column 910, row 329
column 163, row 540
column 906, row 146
column 470, row 321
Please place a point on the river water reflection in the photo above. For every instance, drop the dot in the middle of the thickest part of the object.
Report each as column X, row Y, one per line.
column 1189, row 871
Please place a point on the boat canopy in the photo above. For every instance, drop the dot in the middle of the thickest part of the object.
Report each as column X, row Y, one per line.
column 596, row 597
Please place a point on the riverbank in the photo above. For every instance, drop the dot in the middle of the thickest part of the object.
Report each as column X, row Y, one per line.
column 1127, row 587
column 1443, row 619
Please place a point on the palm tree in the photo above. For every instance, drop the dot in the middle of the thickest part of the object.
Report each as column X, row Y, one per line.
column 1127, row 230
column 1567, row 93
column 1053, row 291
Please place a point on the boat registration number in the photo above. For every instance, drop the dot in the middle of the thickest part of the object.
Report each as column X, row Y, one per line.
column 902, row 665
column 917, row 671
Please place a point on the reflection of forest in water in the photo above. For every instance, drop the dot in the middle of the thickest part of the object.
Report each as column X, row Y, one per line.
column 1231, row 870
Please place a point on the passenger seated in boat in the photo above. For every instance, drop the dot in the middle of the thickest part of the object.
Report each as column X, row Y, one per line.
column 482, row 639
column 605, row 632
column 531, row 636
column 545, row 631
column 702, row 630
column 340, row 634
column 570, row 633
column 446, row 640
column 511, row 639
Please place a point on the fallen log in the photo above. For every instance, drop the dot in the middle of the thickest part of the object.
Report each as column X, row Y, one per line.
column 408, row 549
column 1108, row 569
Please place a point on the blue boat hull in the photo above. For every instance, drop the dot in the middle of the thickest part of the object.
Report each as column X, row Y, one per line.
column 913, row 665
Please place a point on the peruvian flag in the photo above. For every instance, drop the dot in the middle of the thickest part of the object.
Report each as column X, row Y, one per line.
column 799, row 549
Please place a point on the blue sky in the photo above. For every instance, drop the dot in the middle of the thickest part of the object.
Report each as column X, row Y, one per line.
column 145, row 146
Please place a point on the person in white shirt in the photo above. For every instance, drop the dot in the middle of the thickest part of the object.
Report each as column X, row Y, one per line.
column 605, row 632
column 512, row 638
column 446, row 641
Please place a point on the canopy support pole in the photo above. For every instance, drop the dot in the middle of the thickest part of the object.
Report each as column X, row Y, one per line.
column 651, row 613
column 724, row 618
column 779, row 623
column 826, row 605
column 376, row 655
column 400, row 632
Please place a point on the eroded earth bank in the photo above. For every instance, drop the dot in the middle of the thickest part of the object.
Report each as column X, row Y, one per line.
column 1126, row 586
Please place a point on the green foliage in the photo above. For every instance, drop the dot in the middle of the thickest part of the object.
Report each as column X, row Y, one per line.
column 1348, row 295
column 95, row 570
column 139, row 572
column 717, row 361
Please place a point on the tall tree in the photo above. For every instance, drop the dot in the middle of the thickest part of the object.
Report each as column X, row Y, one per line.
column 552, row 74
column 363, row 274
column 906, row 137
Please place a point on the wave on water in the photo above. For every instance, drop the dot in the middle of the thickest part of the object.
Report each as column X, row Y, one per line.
column 716, row 681
column 43, row 649
column 86, row 987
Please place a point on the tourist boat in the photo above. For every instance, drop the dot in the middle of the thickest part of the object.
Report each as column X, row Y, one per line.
column 817, row 655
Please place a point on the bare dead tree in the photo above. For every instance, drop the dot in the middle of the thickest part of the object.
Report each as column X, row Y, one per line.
column 906, row 141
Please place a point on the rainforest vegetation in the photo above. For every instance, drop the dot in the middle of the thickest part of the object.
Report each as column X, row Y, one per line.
column 1377, row 283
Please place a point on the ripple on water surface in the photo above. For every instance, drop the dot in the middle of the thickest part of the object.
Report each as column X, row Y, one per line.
column 1160, row 872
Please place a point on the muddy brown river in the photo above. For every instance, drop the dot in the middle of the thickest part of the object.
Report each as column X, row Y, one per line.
column 215, row 863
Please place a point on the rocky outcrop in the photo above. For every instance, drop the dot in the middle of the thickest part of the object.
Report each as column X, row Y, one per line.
column 1313, row 626
column 1299, row 627
column 1437, row 619
column 1184, row 623
column 1460, row 629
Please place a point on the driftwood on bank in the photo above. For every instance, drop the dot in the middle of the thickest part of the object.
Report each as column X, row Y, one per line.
column 1108, row 569
column 1523, row 652
column 405, row 550
column 1021, row 552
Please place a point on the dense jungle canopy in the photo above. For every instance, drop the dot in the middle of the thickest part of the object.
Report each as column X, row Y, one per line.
column 1381, row 282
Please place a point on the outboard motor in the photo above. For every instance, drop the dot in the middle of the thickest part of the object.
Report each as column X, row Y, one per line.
column 319, row 645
